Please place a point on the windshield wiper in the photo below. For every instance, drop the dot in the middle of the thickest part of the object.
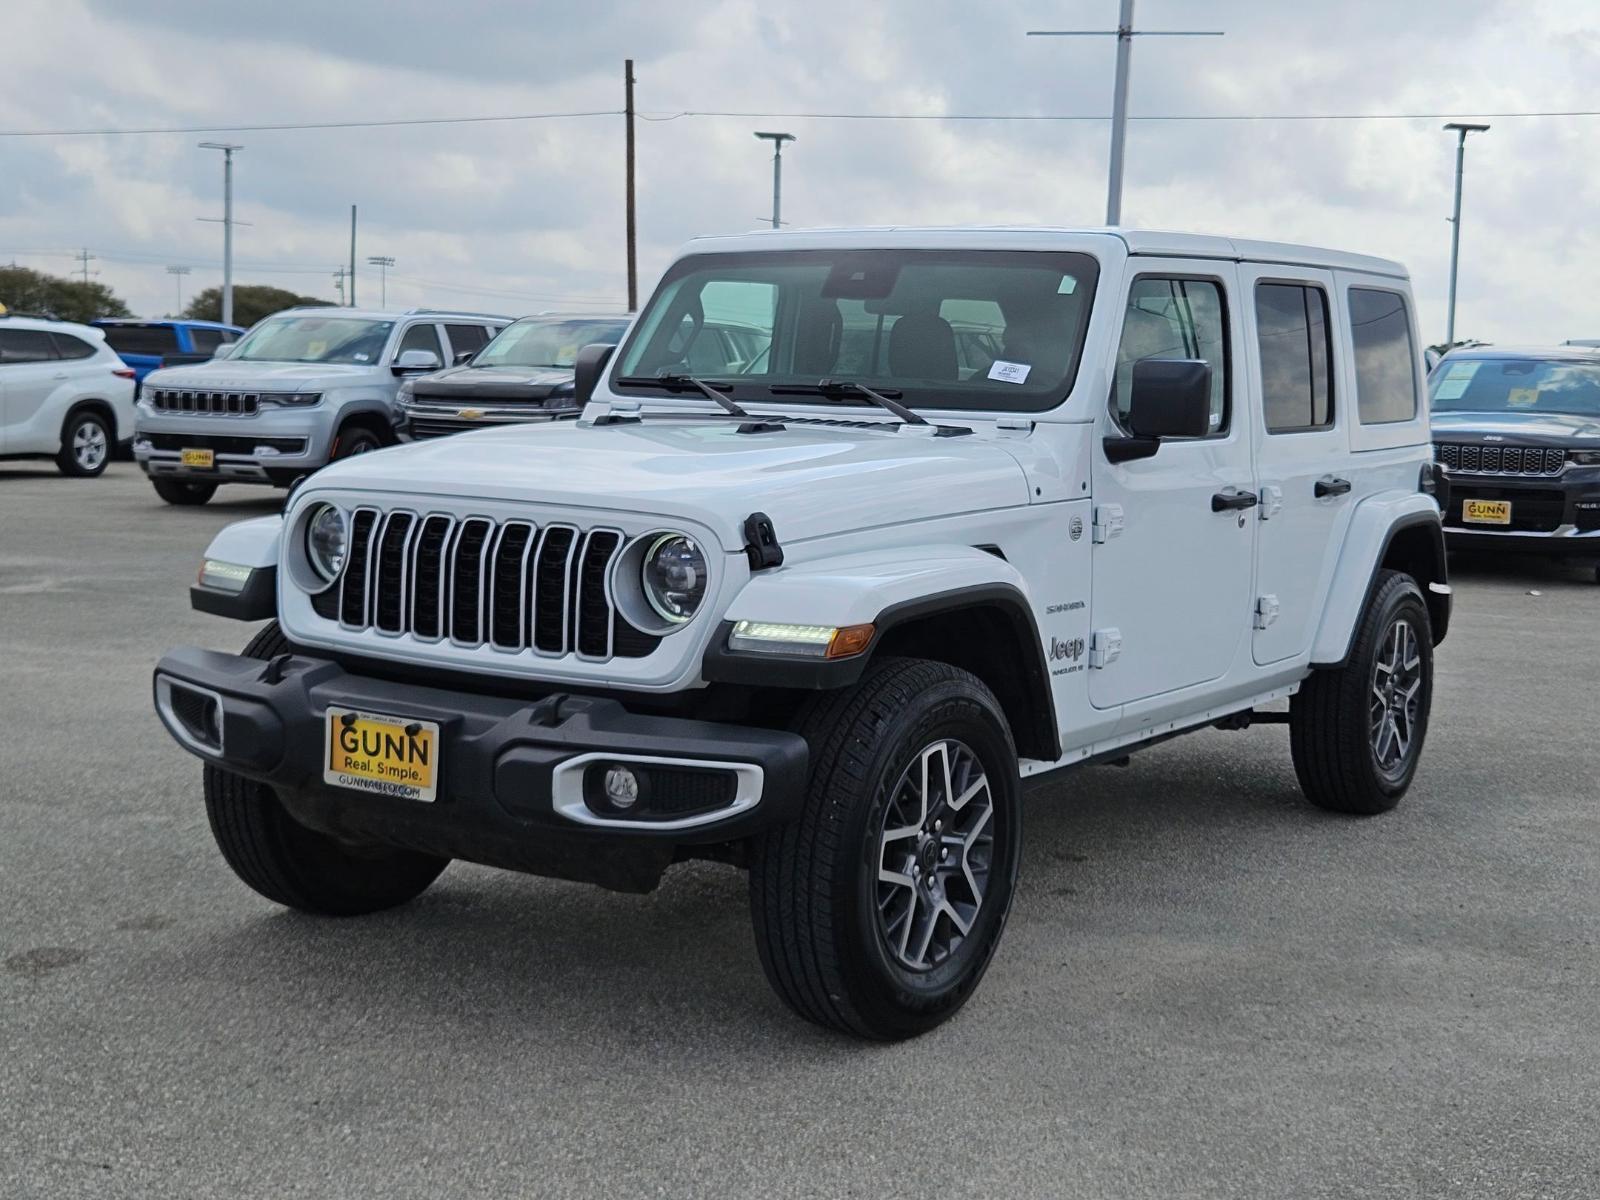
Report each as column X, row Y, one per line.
column 841, row 388
column 683, row 383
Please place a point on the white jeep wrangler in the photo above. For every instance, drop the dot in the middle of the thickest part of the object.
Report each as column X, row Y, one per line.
column 965, row 508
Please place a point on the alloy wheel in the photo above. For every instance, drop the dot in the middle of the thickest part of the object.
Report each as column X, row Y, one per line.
column 935, row 849
column 1396, row 698
column 89, row 445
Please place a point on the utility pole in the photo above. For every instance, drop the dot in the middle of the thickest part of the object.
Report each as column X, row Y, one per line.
column 227, row 149
column 338, row 282
column 383, row 262
column 633, row 246
column 178, row 273
column 1124, row 33
column 83, row 258
column 777, row 140
column 352, row 275
column 1461, row 132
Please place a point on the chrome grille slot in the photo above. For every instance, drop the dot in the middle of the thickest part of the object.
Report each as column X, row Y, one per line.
column 468, row 558
column 476, row 582
column 216, row 404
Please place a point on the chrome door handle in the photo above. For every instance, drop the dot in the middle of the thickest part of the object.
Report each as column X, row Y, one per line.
column 1230, row 499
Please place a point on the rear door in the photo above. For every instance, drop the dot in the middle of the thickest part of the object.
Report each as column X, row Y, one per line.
column 1173, row 552
column 29, row 372
column 1303, row 459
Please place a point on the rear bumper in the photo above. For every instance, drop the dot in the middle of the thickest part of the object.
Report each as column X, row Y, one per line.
column 513, row 775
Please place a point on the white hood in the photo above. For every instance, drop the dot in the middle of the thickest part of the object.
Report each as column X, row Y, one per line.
column 812, row 481
column 229, row 375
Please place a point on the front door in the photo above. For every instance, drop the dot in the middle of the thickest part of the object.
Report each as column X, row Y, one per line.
column 29, row 371
column 1174, row 538
column 1303, row 463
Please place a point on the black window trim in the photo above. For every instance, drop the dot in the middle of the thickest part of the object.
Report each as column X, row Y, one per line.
column 1226, row 431
column 1333, row 375
column 1417, row 393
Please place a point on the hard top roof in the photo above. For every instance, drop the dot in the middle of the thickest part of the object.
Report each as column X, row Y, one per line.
column 1142, row 242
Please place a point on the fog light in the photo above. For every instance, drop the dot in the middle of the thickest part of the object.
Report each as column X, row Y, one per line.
column 266, row 452
column 622, row 787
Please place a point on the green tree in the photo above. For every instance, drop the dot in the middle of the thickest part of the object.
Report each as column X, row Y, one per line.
column 26, row 290
column 251, row 302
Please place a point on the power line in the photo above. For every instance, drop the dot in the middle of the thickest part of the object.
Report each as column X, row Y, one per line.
column 303, row 125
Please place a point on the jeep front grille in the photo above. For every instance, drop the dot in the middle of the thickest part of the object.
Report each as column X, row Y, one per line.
column 1501, row 460
column 473, row 581
column 216, row 404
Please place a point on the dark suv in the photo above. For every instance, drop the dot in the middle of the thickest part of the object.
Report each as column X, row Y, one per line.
column 1519, row 431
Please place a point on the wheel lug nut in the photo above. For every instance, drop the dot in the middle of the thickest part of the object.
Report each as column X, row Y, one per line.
column 937, row 826
column 944, row 854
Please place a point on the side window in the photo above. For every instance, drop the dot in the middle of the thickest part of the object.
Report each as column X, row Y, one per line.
column 68, row 346
column 421, row 337
column 1292, row 331
column 1386, row 373
column 1174, row 318
column 467, row 339
column 25, row 345
column 205, row 341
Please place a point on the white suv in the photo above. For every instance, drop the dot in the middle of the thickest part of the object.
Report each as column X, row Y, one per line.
column 819, row 610
column 302, row 388
column 64, row 394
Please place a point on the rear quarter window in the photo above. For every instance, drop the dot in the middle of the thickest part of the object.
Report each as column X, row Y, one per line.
column 1386, row 357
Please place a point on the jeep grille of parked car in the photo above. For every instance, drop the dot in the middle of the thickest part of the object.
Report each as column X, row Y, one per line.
column 1501, row 460
column 217, row 404
column 473, row 581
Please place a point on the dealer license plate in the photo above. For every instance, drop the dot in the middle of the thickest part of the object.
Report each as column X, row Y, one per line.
column 1486, row 512
column 372, row 752
column 198, row 458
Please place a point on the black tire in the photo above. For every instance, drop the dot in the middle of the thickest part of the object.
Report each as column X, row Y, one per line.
column 86, row 444
column 356, row 439
column 815, row 887
column 1334, row 720
column 296, row 866
column 183, row 491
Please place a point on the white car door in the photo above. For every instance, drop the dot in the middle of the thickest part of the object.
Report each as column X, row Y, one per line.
column 1174, row 533
column 1303, row 460
column 29, row 373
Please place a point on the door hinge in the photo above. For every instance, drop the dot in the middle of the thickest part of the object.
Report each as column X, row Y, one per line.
column 1267, row 608
column 1105, row 647
column 1108, row 522
column 1271, row 501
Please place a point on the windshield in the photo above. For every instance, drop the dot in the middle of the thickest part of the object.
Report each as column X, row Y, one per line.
column 953, row 329
column 546, row 342
column 314, row 340
column 1535, row 385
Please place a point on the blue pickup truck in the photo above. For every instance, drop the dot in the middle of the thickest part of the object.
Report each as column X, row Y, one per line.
column 147, row 345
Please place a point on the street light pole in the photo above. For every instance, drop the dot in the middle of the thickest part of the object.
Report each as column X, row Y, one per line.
column 777, row 140
column 1124, row 33
column 1461, row 131
column 383, row 262
column 227, row 224
column 178, row 273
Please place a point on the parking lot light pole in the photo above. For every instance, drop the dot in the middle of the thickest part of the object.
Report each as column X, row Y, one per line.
column 1461, row 131
column 383, row 262
column 777, row 140
column 227, row 149
column 178, row 273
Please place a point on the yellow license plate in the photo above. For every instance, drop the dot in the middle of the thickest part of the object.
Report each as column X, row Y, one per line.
column 1486, row 512
column 198, row 458
column 388, row 755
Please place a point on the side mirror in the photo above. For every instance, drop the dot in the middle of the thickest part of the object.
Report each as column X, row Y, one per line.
column 1170, row 398
column 587, row 369
column 417, row 360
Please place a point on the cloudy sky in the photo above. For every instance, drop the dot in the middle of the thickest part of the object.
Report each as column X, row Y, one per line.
column 518, row 216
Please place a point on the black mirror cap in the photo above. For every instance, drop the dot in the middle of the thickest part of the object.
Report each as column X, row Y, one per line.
column 587, row 369
column 1171, row 397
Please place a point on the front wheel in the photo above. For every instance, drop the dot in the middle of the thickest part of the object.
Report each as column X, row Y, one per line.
column 1356, row 731
column 876, row 912
column 356, row 439
column 182, row 492
column 85, row 445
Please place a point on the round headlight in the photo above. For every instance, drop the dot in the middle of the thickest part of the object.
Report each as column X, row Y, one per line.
column 327, row 535
column 674, row 577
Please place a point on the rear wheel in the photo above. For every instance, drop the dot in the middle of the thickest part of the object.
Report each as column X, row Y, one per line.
column 181, row 491
column 877, row 912
column 298, row 867
column 85, row 444
column 1356, row 732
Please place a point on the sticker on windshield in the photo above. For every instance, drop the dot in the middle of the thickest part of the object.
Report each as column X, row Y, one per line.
column 1462, row 370
column 1068, row 285
column 1450, row 389
column 360, row 356
column 1009, row 372
column 1522, row 397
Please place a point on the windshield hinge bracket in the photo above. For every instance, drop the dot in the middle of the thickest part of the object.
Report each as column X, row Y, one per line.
column 761, row 542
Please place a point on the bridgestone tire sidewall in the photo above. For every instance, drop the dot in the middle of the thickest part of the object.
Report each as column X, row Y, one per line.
column 948, row 710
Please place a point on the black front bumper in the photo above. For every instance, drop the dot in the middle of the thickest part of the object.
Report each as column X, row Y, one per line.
column 1555, row 515
column 498, row 765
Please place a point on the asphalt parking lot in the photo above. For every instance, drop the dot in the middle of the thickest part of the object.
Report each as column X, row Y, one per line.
column 1208, row 989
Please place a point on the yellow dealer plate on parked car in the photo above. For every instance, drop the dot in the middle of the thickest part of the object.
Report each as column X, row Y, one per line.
column 1486, row 512
column 198, row 458
column 388, row 755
